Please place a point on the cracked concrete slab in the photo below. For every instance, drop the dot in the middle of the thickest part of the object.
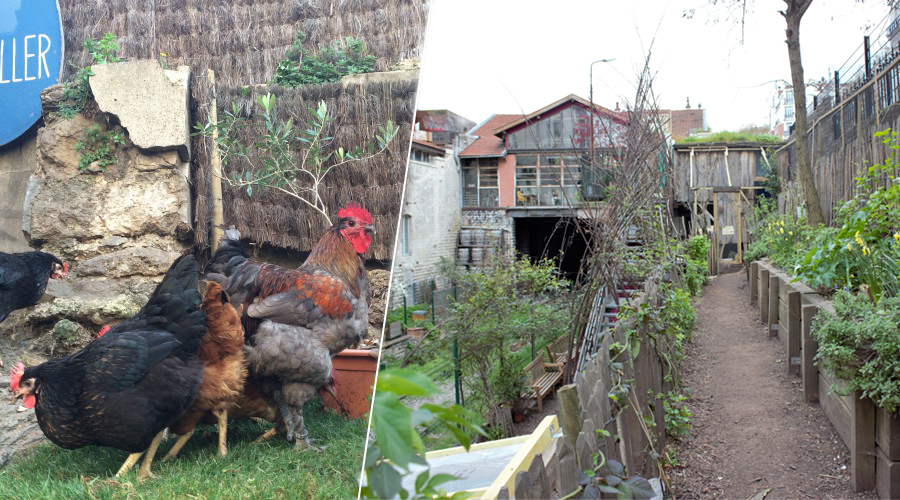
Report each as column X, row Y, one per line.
column 147, row 100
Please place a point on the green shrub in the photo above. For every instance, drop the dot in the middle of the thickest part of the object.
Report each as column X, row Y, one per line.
column 348, row 56
column 859, row 343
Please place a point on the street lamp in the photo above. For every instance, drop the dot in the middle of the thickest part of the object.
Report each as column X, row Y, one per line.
column 591, row 98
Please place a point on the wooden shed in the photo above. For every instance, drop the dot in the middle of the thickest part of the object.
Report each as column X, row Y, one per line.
column 717, row 184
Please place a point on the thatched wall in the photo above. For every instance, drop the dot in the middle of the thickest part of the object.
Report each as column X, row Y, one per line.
column 377, row 183
column 242, row 42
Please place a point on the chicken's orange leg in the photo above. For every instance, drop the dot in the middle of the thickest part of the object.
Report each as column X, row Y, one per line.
column 129, row 463
column 144, row 473
column 182, row 440
column 222, row 415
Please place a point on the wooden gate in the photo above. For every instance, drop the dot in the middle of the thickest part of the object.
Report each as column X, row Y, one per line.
column 729, row 232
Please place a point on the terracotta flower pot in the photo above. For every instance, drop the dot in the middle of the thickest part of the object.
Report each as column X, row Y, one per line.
column 354, row 377
column 518, row 416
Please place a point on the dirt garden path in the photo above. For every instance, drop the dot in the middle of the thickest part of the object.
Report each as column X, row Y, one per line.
column 751, row 430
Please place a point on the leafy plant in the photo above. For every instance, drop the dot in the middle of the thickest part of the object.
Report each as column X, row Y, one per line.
column 76, row 91
column 98, row 146
column 283, row 158
column 397, row 444
column 859, row 343
column 864, row 249
column 616, row 483
column 348, row 56
column 677, row 414
column 504, row 302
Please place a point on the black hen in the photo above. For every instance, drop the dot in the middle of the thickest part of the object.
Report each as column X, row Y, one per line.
column 127, row 386
column 23, row 278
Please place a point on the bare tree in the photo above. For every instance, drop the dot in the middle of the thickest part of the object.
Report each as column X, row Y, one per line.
column 793, row 14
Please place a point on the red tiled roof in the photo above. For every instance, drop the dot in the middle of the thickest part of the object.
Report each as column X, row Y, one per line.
column 488, row 144
column 685, row 121
column 429, row 145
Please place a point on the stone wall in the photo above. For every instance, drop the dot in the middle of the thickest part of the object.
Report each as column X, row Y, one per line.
column 119, row 225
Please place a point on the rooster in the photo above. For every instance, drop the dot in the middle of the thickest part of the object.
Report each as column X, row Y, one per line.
column 24, row 277
column 297, row 319
column 123, row 389
column 224, row 371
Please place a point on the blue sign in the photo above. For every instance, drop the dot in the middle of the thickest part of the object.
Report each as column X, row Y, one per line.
column 31, row 55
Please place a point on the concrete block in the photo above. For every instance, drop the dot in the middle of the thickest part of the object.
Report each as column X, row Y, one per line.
column 150, row 102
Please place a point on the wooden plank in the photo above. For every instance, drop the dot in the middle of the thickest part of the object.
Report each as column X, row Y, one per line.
column 763, row 294
column 793, row 332
column 887, row 476
column 569, row 412
column 539, row 480
column 808, row 348
column 566, row 469
column 584, row 453
column 524, row 486
column 862, row 448
column 836, row 407
column 774, row 282
column 887, row 434
column 753, row 279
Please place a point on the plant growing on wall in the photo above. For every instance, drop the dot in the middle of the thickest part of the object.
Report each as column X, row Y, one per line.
column 75, row 92
column 286, row 158
column 98, row 146
column 348, row 56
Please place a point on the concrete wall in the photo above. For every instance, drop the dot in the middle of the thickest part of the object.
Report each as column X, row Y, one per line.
column 17, row 162
column 432, row 203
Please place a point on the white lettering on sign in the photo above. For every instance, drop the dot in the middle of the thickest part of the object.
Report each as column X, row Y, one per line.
column 18, row 62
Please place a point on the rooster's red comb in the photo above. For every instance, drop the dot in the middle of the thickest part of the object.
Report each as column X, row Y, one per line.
column 356, row 211
column 15, row 375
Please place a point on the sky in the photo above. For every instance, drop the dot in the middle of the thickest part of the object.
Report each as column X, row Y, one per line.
column 487, row 56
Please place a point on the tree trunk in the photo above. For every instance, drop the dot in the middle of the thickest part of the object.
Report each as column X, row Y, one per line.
column 792, row 15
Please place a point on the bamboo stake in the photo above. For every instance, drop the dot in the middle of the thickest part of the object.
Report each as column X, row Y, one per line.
column 217, row 229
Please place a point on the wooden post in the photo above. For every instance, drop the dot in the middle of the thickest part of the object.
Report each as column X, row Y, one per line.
column 793, row 332
column 862, row 443
column 764, row 295
column 570, row 412
column 218, row 217
column 754, row 282
column 809, row 349
column 774, row 283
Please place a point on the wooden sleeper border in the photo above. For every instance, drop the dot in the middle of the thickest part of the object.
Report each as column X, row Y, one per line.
column 872, row 435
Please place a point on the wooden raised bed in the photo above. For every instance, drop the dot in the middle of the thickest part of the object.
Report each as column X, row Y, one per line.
column 872, row 435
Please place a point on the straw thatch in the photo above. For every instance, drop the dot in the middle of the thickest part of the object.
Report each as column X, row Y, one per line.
column 242, row 42
column 377, row 183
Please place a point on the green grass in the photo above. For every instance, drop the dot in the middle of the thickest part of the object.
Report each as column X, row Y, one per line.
column 272, row 469
column 726, row 136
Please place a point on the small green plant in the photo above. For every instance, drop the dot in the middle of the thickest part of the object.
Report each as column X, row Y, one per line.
column 76, row 91
column 348, row 56
column 669, row 460
column 616, row 482
column 677, row 414
column 284, row 159
column 98, row 146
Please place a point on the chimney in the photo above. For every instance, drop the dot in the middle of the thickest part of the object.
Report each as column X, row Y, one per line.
column 617, row 108
column 688, row 103
column 699, row 106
